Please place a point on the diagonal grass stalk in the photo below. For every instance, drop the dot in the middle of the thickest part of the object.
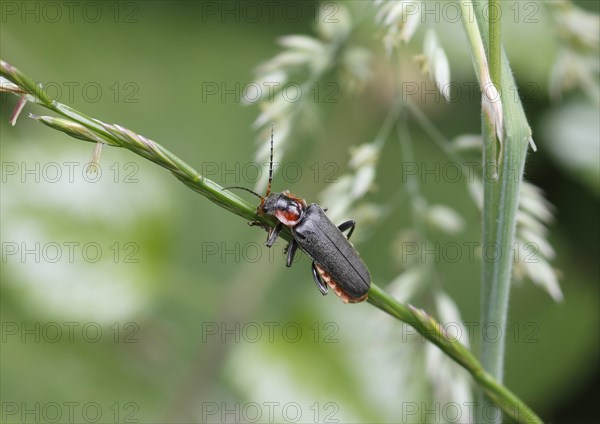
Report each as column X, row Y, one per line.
column 92, row 130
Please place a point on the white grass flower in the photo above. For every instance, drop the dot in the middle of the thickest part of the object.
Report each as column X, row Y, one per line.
column 476, row 191
column 407, row 284
column 277, row 110
column 533, row 202
column 363, row 155
column 363, row 160
column 264, row 88
column 336, row 197
column 302, row 43
column 467, row 142
column 336, row 27
column 576, row 64
column 532, row 248
column 573, row 70
column 541, row 273
column 434, row 63
column 445, row 219
column 363, row 181
column 356, row 67
column 577, row 25
column 400, row 20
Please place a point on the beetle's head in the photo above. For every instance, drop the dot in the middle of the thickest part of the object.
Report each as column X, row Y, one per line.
column 286, row 207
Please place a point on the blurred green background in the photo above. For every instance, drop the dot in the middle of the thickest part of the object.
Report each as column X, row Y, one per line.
column 133, row 298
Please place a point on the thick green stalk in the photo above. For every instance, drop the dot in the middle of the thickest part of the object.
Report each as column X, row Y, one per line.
column 85, row 128
column 506, row 139
column 504, row 194
column 495, row 36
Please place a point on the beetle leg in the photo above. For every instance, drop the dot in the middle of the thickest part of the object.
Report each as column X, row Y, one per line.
column 291, row 251
column 320, row 284
column 259, row 224
column 273, row 234
column 345, row 225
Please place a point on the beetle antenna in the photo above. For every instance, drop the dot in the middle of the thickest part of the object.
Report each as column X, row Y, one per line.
column 246, row 189
column 270, row 166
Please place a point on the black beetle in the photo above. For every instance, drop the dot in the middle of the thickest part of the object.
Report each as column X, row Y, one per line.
column 335, row 261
